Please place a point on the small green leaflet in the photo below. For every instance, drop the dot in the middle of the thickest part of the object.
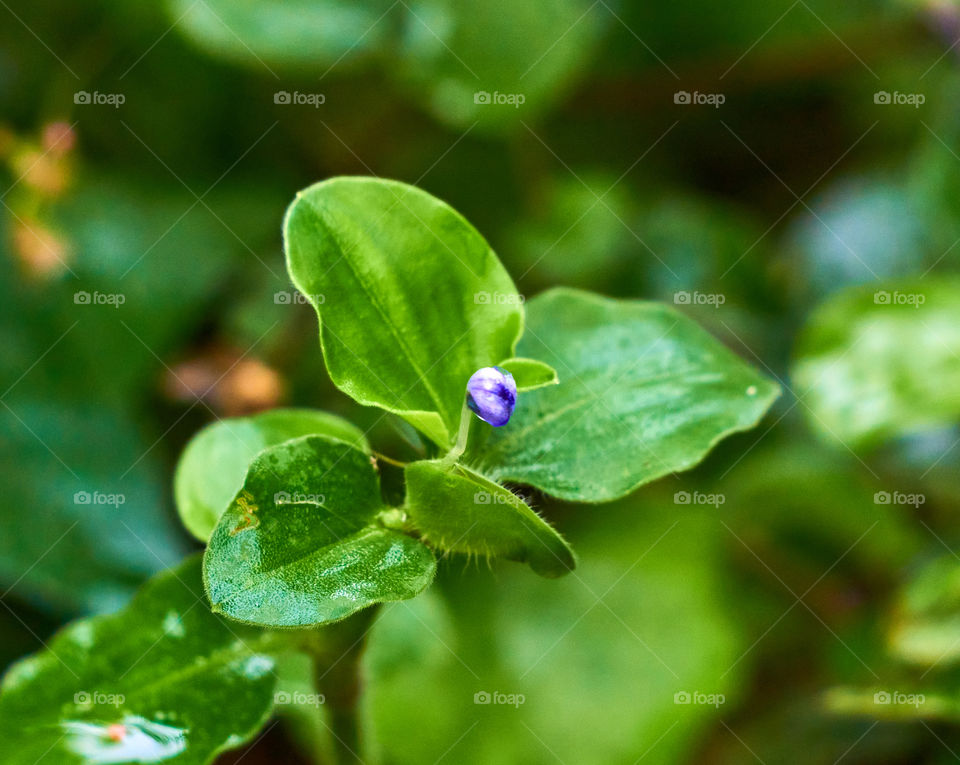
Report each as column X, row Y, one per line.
column 460, row 511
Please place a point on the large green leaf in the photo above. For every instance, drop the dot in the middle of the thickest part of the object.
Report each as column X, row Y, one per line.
column 213, row 465
column 183, row 683
column 641, row 620
column 460, row 511
column 644, row 392
column 300, row 544
column 411, row 299
column 878, row 362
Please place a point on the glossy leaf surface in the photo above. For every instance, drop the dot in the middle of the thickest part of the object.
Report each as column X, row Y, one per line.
column 300, row 543
column 644, row 392
column 212, row 467
column 163, row 680
column 411, row 299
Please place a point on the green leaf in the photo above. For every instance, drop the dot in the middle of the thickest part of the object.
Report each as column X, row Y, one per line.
column 458, row 510
column 411, row 299
column 300, row 543
column 532, row 52
column 184, row 684
column 926, row 630
column 813, row 505
column 213, row 465
column 302, row 34
column 631, row 633
column 876, row 363
column 913, row 702
column 530, row 374
column 103, row 506
column 644, row 392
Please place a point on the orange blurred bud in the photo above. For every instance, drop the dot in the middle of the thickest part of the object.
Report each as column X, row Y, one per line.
column 230, row 384
column 41, row 252
column 58, row 138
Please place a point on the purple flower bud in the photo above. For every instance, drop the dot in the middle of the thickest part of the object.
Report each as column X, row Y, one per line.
column 492, row 394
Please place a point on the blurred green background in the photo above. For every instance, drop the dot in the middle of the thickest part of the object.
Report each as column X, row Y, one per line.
column 147, row 153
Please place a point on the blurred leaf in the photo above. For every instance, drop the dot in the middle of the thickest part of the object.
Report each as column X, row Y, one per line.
column 530, row 374
column 873, row 363
column 531, row 51
column 411, row 299
column 214, row 464
column 822, row 507
column 300, row 544
column 641, row 621
column 784, row 29
column 302, row 34
column 860, row 231
column 900, row 705
column 926, row 629
column 182, row 684
column 594, row 232
column 85, row 520
column 644, row 392
column 569, row 237
column 131, row 245
column 460, row 511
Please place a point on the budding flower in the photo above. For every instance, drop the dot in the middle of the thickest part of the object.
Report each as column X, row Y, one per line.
column 492, row 395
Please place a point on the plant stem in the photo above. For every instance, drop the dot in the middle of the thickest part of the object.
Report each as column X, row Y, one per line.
column 466, row 417
column 389, row 460
column 336, row 652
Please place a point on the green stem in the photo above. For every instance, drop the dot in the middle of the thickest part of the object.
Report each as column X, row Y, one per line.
column 466, row 417
column 389, row 460
column 336, row 651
